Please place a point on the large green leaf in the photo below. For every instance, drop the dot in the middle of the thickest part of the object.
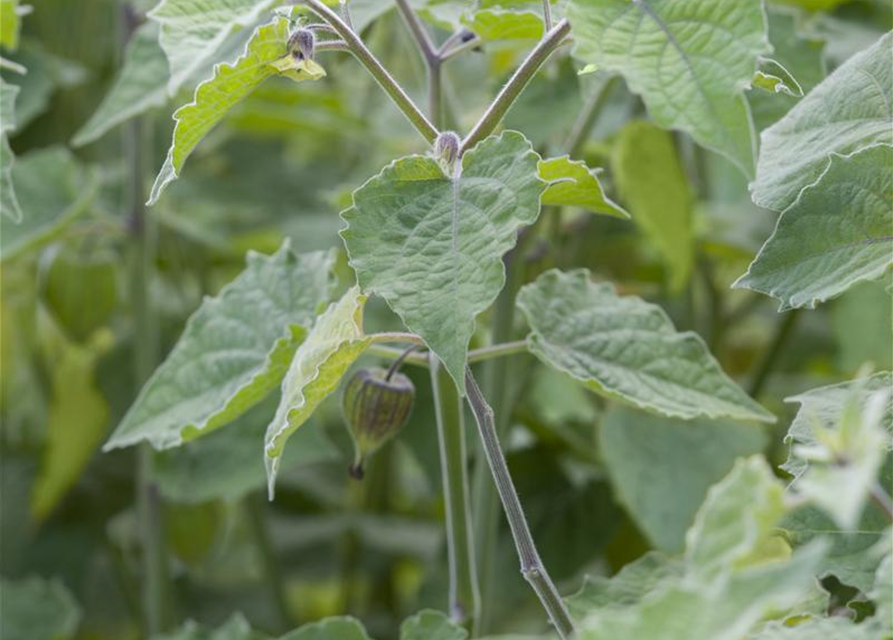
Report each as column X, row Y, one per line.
column 37, row 609
column 628, row 349
column 661, row 468
column 214, row 97
column 9, row 204
column 10, row 24
column 653, row 184
column 431, row 244
column 140, row 85
column 336, row 341
column 833, row 628
column 431, row 625
column 838, row 232
column 849, row 111
column 52, row 188
column 341, row 628
column 193, row 30
column 234, row 350
column 690, row 60
column 573, row 184
column 727, row 582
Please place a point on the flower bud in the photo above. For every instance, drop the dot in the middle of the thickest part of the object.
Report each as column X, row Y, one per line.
column 301, row 44
column 446, row 147
column 375, row 409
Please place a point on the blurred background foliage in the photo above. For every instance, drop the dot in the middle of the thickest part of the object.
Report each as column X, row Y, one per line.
column 594, row 478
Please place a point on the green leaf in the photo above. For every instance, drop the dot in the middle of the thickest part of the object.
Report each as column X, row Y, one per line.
column 882, row 594
column 234, row 350
column 690, row 61
column 431, row 625
column 225, row 466
column 833, row 628
column 862, row 319
column 632, row 583
column 342, row 628
column 774, row 78
column 497, row 24
column 9, row 204
column 627, row 349
column 847, row 112
column 337, row 339
column 77, row 420
column 662, row 468
column 193, row 30
column 236, row 628
column 10, row 24
column 52, row 188
column 573, row 184
column 838, row 232
column 653, row 183
column 214, row 97
column 431, row 244
column 735, row 526
column 37, row 609
column 141, row 85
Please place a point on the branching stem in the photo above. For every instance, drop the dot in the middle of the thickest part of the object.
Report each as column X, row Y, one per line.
column 547, row 14
column 532, row 567
column 355, row 45
column 513, row 88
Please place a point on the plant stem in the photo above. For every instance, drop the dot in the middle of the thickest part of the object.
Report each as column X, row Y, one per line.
column 547, row 14
column 770, row 358
column 260, row 531
column 397, row 336
column 589, row 114
column 513, row 88
column 464, row 597
column 882, row 499
column 475, row 355
column 531, row 566
column 381, row 75
column 432, row 59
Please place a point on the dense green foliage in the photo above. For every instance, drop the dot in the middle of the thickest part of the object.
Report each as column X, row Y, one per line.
column 627, row 261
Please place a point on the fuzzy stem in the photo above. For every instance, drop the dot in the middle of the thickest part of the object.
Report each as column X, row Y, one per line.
column 381, row 75
column 531, row 566
column 430, row 55
column 513, row 88
column 547, row 14
column 464, row 597
column 475, row 355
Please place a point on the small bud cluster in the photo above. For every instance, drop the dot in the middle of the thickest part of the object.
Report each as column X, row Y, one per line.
column 446, row 147
column 301, row 44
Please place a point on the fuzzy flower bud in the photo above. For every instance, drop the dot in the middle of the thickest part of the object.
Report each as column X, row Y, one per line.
column 446, row 147
column 301, row 44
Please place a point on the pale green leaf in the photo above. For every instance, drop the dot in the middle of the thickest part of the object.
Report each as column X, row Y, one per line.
column 497, row 24
column 193, row 30
column 838, row 232
column 336, row 341
column 46, row 74
column 652, row 182
column 882, row 594
column 77, row 420
column 628, row 349
column 234, row 350
column 236, row 628
column 690, row 60
column 833, row 628
column 214, row 97
column 847, row 112
column 9, row 204
column 723, row 609
column 573, row 184
column 862, row 320
column 10, row 24
column 141, row 85
column 627, row 588
column 432, row 244
column 225, row 466
column 431, row 625
column 735, row 526
column 341, row 628
column 52, row 188
column 661, row 468
column 37, row 609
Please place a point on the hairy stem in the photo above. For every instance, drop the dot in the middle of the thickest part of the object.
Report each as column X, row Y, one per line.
column 513, row 88
column 430, row 55
column 531, row 566
column 355, row 44
column 547, row 14
column 464, row 597
column 421, row 360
